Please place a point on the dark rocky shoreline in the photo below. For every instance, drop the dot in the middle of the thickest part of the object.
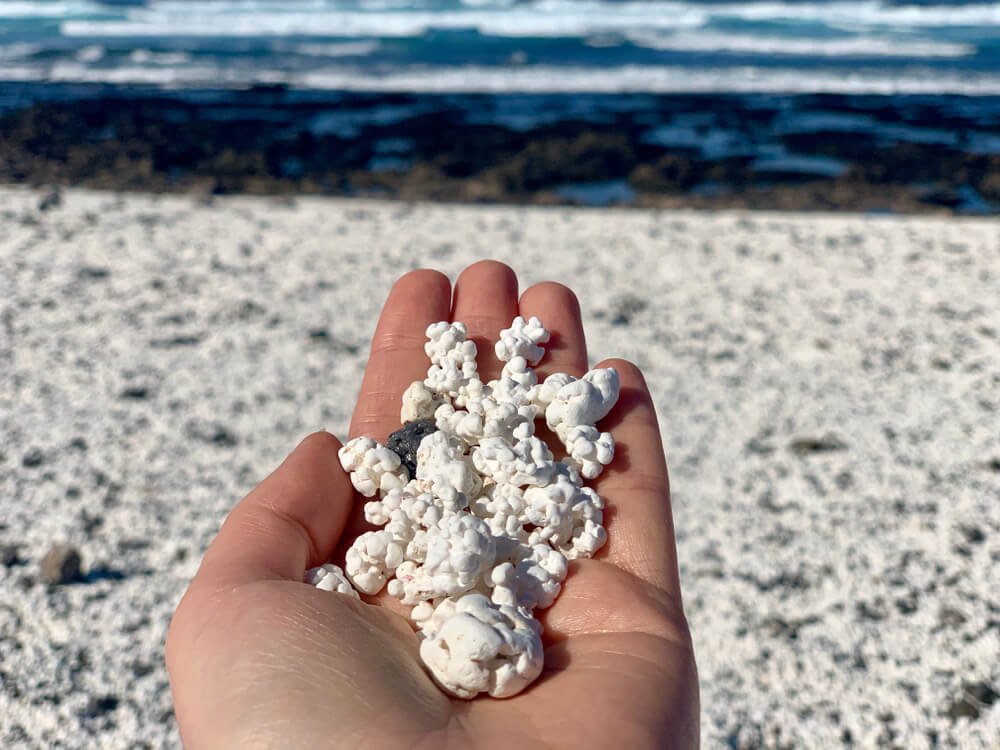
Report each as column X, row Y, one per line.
column 463, row 148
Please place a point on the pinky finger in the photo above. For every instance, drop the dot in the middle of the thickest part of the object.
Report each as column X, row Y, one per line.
column 636, row 487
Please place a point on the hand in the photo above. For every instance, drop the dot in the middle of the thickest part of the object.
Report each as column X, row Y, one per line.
column 258, row 658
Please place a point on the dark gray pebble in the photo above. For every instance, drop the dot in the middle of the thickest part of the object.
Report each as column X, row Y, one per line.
column 210, row 432
column 93, row 273
column 34, row 457
column 975, row 697
column 626, row 307
column 809, row 445
column 52, row 199
column 405, row 442
column 9, row 555
column 98, row 706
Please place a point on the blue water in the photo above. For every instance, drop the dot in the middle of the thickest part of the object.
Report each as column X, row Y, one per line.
column 544, row 46
column 690, row 73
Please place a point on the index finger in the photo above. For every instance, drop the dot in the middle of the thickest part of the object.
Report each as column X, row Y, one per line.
column 397, row 354
column 290, row 522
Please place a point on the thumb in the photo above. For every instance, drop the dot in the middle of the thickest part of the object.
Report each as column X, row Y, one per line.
column 292, row 521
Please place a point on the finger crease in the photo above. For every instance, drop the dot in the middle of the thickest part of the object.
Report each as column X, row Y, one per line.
column 301, row 528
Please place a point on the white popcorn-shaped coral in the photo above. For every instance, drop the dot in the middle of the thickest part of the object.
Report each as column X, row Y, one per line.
column 582, row 402
column 542, row 394
column 447, row 341
column 482, row 534
column 453, row 358
column 419, row 402
column 549, row 509
column 372, row 558
column 473, row 389
column 404, row 507
column 522, row 340
column 330, row 578
column 449, row 377
column 457, row 551
column 446, row 470
column 589, row 450
column 526, row 462
column 525, row 378
column 473, row 646
column 372, row 466
column 588, row 534
column 533, row 580
column 503, row 509
column 482, row 418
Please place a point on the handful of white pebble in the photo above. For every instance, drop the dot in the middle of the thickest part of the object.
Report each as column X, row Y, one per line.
column 478, row 519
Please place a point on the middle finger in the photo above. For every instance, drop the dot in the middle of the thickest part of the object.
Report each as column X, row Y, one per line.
column 486, row 301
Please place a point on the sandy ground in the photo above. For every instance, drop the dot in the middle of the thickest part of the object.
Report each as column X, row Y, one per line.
column 828, row 387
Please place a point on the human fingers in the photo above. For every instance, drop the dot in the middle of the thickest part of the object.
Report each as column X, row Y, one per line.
column 486, row 301
column 292, row 520
column 397, row 355
column 636, row 487
column 559, row 310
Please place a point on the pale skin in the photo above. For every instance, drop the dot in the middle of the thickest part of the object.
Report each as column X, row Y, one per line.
column 259, row 659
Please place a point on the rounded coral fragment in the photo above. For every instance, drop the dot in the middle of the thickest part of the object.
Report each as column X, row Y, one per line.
column 473, row 646
column 330, row 577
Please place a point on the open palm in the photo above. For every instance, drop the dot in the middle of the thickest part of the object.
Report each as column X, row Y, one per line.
column 259, row 659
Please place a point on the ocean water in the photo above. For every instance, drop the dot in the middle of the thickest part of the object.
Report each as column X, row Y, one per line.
column 509, row 46
column 790, row 86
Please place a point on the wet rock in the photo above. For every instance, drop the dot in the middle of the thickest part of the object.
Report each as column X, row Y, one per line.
column 454, row 159
column 61, row 564
column 405, row 442
column 670, row 173
column 589, row 157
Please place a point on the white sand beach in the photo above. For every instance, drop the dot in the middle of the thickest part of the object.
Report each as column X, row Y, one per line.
column 828, row 388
